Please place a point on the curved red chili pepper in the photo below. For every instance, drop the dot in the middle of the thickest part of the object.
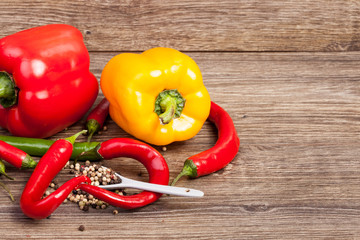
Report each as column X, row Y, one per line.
column 50, row 164
column 148, row 156
column 221, row 154
column 96, row 118
column 15, row 156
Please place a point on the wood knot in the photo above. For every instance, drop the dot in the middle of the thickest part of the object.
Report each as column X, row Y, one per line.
column 257, row 208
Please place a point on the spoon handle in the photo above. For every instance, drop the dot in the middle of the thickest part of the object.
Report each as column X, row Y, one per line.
column 130, row 183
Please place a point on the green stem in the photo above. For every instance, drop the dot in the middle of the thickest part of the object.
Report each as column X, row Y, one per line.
column 7, row 176
column 189, row 169
column 93, row 127
column 2, row 171
column 7, row 90
column 8, row 190
column 75, row 136
column 28, row 163
column 169, row 105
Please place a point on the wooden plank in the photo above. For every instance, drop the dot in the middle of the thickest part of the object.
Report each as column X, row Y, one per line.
column 227, row 25
column 296, row 175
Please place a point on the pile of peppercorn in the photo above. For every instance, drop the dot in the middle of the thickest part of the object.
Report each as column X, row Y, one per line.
column 99, row 176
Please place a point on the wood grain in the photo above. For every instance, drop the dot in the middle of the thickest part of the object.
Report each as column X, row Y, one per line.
column 206, row 25
column 288, row 74
column 296, row 175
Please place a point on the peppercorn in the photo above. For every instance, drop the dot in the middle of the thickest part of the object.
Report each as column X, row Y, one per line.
column 81, row 228
column 99, row 176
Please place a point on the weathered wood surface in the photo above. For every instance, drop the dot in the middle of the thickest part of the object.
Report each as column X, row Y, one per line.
column 206, row 25
column 297, row 114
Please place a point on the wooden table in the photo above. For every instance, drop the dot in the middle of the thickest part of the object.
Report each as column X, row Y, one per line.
column 288, row 74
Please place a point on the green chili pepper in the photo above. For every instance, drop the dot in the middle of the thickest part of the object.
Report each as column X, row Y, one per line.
column 38, row 147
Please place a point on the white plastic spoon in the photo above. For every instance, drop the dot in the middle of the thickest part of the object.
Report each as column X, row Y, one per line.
column 130, row 183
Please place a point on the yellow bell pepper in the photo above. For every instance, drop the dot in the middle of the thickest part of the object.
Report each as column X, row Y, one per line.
column 157, row 96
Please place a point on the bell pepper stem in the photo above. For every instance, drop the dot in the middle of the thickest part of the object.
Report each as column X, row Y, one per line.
column 169, row 105
column 189, row 169
column 7, row 90
column 8, row 191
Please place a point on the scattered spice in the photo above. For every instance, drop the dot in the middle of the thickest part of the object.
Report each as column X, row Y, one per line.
column 81, row 228
column 99, row 176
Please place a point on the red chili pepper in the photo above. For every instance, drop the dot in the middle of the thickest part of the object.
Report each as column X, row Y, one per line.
column 148, row 156
column 15, row 156
column 220, row 155
column 96, row 118
column 45, row 82
column 50, row 164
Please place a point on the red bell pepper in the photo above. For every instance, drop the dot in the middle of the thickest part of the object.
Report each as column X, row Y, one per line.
column 45, row 82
